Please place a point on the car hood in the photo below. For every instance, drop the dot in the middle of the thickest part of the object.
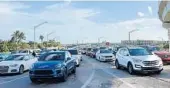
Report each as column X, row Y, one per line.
column 47, row 64
column 7, row 63
column 76, row 56
column 106, row 54
column 147, row 57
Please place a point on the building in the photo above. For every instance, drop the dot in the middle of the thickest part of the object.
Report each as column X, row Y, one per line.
column 164, row 16
column 142, row 42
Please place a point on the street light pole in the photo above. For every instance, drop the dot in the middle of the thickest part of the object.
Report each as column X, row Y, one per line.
column 99, row 40
column 131, row 32
column 35, row 29
column 49, row 35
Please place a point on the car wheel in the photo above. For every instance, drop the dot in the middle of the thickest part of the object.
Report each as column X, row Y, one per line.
column 21, row 69
column 74, row 70
column 117, row 64
column 158, row 72
column 33, row 80
column 64, row 77
column 130, row 69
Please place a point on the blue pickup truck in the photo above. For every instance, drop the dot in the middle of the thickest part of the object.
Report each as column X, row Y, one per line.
column 55, row 65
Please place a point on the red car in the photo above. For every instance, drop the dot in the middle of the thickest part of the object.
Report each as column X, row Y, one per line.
column 164, row 55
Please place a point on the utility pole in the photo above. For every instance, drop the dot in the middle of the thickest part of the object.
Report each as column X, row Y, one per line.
column 35, row 31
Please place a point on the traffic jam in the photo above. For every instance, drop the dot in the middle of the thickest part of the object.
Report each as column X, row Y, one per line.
column 84, row 44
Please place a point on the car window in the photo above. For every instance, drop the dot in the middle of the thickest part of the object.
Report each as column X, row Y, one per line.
column 31, row 56
column 73, row 52
column 26, row 58
column 139, row 52
column 105, row 51
column 69, row 54
column 53, row 56
column 14, row 57
column 121, row 51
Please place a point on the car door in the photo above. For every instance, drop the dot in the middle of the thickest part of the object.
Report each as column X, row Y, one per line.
column 32, row 60
column 69, row 62
column 125, row 58
column 119, row 56
column 27, row 62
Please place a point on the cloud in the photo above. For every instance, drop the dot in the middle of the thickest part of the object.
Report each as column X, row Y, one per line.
column 72, row 24
column 140, row 14
column 150, row 10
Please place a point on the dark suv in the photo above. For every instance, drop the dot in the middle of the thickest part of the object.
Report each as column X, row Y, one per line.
column 55, row 65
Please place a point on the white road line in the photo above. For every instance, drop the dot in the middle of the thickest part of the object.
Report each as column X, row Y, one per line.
column 13, row 80
column 128, row 84
column 90, row 78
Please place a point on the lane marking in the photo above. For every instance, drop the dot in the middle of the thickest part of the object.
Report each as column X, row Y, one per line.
column 90, row 78
column 128, row 84
column 13, row 76
column 13, row 80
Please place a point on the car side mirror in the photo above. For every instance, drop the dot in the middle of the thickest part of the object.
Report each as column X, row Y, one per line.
column 126, row 54
column 69, row 58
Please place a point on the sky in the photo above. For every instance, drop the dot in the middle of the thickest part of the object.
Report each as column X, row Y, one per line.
column 83, row 21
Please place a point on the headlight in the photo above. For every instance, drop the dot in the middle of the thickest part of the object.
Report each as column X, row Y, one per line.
column 32, row 66
column 137, row 60
column 103, row 56
column 13, row 65
column 58, row 66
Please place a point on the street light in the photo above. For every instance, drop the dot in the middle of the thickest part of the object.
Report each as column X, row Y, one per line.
column 99, row 40
column 35, row 29
column 132, row 32
column 49, row 35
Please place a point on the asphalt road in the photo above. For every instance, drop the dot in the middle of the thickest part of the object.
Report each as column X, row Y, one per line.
column 93, row 74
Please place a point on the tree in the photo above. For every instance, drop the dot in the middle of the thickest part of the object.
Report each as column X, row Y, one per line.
column 166, row 46
column 41, row 38
column 17, row 37
column 24, row 46
column 4, row 47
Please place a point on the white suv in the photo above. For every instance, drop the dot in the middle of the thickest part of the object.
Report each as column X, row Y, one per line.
column 138, row 59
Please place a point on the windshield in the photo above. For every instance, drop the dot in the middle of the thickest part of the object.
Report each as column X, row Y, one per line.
column 105, row 51
column 73, row 52
column 23, row 51
column 95, row 50
column 14, row 57
column 139, row 52
column 52, row 57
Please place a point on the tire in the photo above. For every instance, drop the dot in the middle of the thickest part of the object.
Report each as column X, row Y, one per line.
column 33, row 80
column 117, row 64
column 21, row 69
column 158, row 72
column 78, row 65
column 64, row 77
column 74, row 70
column 130, row 69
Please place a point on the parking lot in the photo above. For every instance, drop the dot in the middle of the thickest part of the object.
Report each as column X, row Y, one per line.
column 93, row 74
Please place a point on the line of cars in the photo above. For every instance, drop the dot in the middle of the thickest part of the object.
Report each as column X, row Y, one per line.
column 101, row 54
column 143, row 59
column 53, row 64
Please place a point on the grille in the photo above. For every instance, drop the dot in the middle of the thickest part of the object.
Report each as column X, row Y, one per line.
column 150, row 68
column 43, row 72
column 4, row 69
column 150, row 63
column 108, row 56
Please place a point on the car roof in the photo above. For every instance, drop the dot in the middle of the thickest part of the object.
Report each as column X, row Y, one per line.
column 71, row 49
column 21, row 54
column 57, row 52
column 133, row 47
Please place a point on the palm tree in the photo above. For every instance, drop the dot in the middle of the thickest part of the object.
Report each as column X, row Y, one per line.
column 41, row 38
column 17, row 37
